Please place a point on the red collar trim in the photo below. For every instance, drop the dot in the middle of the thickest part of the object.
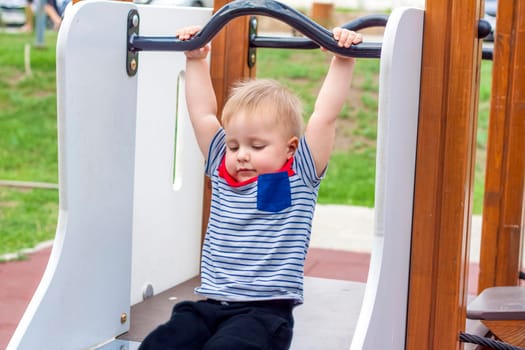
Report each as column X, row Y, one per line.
column 234, row 183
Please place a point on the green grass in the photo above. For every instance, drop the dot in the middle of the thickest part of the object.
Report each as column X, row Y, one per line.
column 350, row 179
column 482, row 135
column 28, row 141
column 28, row 217
column 28, row 134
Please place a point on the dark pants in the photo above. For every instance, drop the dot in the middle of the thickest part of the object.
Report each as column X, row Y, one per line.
column 209, row 324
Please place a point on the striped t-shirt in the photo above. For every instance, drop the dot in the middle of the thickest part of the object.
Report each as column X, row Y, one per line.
column 258, row 233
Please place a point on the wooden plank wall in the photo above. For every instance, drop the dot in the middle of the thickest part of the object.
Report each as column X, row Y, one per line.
column 502, row 229
column 444, row 174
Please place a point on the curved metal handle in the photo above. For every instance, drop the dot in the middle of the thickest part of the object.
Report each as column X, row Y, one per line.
column 368, row 50
column 318, row 34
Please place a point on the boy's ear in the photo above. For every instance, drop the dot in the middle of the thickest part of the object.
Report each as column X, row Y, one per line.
column 293, row 143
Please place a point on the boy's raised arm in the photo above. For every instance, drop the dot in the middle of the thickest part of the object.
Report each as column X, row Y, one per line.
column 200, row 96
column 320, row 131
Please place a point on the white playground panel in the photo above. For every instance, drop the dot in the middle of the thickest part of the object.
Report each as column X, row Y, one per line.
column 124, row 219
column 127, row 221
column 382, row 321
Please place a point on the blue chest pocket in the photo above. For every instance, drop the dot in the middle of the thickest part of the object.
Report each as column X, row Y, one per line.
column 273, row 192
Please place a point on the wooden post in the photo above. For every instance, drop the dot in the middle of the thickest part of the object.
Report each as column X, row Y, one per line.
column 322, row 13
column 502, row 230
column 444, row 174
column 229, row 56
column 229, row 64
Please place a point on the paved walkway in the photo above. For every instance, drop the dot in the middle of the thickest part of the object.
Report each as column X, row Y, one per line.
column 340, row 249
column 351, row 228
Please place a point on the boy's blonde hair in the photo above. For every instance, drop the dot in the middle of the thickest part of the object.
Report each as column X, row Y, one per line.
column 268, row 97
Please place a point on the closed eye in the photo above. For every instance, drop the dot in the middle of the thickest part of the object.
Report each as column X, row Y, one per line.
column 258, row 147
column 232, row 146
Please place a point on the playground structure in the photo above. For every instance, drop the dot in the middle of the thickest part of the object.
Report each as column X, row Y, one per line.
column 112, row 178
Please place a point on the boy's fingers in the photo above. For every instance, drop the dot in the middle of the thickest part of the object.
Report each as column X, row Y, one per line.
column 337, row 33
column 343, row 40
column 181, row 34
column 346, row 38
column 350, row 40
column 187, row 33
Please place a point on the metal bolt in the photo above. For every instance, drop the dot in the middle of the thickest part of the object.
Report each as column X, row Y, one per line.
column 252, row 57
column 147, row 291
column 133, row 64
column 123, row 318
column 135, row 20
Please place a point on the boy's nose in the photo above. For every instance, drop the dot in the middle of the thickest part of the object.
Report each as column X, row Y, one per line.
column 243, row 155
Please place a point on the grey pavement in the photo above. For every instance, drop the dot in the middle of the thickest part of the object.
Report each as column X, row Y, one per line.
column 350, row 228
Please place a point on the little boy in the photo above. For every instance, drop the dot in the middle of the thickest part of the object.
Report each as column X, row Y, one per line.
column 265, row 176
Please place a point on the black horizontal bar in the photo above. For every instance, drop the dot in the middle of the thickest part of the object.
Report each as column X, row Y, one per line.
column 368, row 21
column 368, row 50
column 363, row 50
column 487, row 53
column 317, row 34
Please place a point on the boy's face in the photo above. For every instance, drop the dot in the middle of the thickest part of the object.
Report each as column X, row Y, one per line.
column 256, row 145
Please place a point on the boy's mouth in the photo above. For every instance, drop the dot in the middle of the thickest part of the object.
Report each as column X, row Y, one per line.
column 246, row 172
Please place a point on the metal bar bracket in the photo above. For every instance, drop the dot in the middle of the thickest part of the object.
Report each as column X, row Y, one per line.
column 132, row 56
column 252, row 34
